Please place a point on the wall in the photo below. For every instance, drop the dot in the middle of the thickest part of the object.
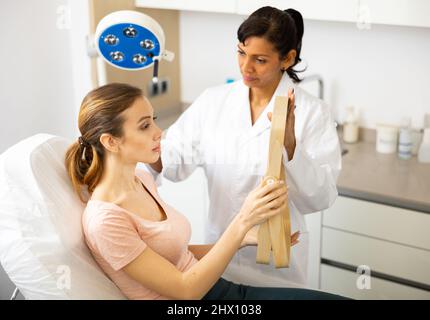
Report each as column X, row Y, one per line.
column 46, row 70
column 383, row 71
column 36, row 78
column 36, row 85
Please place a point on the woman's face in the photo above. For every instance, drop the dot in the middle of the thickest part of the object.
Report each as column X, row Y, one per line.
column 141, row 136
column 259, row 63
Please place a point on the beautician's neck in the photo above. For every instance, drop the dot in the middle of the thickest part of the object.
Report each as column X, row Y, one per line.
column 260, row 97
column 118, row 179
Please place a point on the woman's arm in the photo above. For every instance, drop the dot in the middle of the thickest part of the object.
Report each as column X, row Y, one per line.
column 312, row 164
column 158, row 274
column 312, row 173
column 200, row 250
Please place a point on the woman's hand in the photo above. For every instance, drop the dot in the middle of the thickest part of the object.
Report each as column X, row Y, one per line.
column 262, row 203
column 251, row 238
column 289, row 138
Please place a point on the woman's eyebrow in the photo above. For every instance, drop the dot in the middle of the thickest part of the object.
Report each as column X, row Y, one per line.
column 254, row 55
column 143, row 118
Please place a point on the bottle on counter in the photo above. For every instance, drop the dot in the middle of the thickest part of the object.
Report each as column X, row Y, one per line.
column 417, row 136
column 424, row 150
column 405, row 143
column 427, row 120
column 405, row 140
column 350, row 127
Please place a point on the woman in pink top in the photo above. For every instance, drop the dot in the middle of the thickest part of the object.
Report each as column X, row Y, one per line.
column 139, row 241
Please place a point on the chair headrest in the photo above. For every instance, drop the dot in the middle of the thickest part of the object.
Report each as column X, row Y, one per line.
column 42, row 246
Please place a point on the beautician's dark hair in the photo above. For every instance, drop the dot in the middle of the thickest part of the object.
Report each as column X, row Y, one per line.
column 284, row 29
column 100, row 112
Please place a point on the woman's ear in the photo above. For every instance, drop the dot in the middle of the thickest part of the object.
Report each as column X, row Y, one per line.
column 109, row 142
column 289, row 60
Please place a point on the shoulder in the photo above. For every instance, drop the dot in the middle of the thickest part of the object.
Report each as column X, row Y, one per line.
column 208, row 106
column 310, row 110
column 99, row 215
column 217, row 95
column 223, row 88
column 309, row 102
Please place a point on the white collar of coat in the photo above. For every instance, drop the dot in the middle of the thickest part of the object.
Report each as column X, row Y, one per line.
column 263, row 123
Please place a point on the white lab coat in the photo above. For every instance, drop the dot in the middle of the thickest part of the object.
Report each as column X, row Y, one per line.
column 216, row 133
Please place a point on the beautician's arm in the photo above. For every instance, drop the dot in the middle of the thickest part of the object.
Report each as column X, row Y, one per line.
column 158, row 274
column 250, row 239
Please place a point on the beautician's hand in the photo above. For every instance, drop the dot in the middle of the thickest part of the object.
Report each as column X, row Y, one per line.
column 289, row 138
column 262, row 203
column 251, row 238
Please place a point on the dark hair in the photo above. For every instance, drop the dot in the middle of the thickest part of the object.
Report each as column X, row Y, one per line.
column 100, row 113
column 284, row 29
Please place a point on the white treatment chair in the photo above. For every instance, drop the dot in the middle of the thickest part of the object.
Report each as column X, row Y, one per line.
column 42, row 247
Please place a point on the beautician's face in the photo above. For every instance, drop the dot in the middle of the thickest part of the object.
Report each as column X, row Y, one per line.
column 141, row 136
column 259, row 63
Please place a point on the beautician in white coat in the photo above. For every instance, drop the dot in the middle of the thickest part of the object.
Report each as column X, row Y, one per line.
column 226, row 131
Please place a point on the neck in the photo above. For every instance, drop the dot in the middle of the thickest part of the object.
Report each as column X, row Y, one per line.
column 260, row 97
column 118, row 179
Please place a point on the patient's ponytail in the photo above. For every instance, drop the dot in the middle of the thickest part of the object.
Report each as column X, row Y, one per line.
column 100, row 113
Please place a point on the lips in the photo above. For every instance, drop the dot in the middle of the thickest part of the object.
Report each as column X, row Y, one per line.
column 157, row 148
column 247, row 78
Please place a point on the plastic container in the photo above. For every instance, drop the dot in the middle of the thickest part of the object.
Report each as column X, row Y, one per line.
column 386, row 138
column 427, row 120
column 424, row 150
column 350, row 127
column 417, row 136
column 405, row 143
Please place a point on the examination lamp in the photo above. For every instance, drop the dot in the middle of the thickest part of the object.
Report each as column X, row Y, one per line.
column 131, row 40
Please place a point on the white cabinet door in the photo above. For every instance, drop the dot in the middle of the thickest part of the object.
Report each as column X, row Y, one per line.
column 393, row 12
column 344, row 282
column 221, row 6
column 313, row 223
column 380, row 221
column 385, row 257
column 330, row 10
column 414, row 13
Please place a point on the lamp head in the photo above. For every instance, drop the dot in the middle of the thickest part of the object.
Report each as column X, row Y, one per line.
column 131, row 40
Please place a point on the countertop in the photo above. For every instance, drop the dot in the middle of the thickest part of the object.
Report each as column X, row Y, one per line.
column 384, row 178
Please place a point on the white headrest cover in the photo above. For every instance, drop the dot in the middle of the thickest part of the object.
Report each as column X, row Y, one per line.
column 42, row 248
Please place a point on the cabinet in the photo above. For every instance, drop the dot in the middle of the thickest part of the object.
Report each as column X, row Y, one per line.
column 344, row 282
column 413, row 13
column 220, row 6
column 329, row 10
column 393, row 243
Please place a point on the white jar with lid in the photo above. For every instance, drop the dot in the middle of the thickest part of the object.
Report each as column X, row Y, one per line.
column 386, row 138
